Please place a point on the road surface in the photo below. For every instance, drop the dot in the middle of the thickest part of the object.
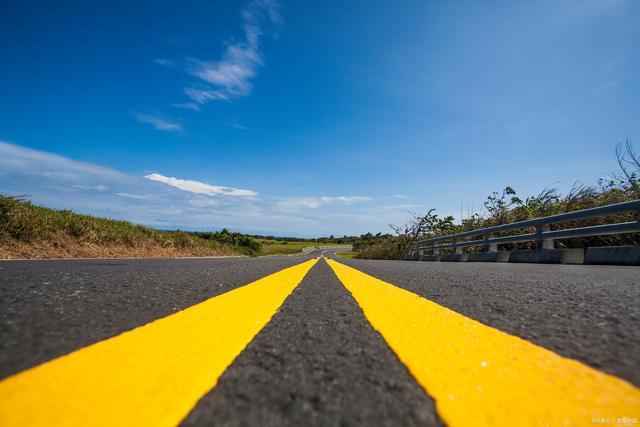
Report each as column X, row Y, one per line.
column 329, row 351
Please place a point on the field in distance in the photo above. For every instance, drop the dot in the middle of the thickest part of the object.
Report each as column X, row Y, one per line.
column 283, row 247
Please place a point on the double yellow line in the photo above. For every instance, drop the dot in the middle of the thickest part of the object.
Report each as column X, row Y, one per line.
column 155, row 374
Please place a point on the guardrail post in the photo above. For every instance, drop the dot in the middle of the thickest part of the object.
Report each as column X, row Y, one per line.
column 543, row 236
column 491, row 247
column 544, row 243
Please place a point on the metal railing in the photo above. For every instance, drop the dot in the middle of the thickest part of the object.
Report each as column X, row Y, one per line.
column 543, row 236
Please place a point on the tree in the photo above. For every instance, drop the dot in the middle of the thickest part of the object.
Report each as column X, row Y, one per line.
column 425, row 226
column 629, row 162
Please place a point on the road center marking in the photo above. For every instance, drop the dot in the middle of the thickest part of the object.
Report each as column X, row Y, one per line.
column 481, row 376
column 151, row 375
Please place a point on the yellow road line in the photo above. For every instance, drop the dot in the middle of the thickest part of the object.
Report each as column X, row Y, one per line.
column 480, row 376
column 151, row 375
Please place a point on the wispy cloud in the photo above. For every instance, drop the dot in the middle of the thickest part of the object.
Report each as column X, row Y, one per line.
column 200, row 187
column 98, row 187
column 202, row 95
column 347, row 199
column 316, row 202
column 230, row 77
column 187, row 106
column 159, row 122
column 44, row 166
column 137, row 196
column 237, row 125
column 163, row 61
column 171, row 203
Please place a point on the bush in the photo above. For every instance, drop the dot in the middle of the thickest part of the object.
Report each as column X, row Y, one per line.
column 246, row 244
column 507, row 207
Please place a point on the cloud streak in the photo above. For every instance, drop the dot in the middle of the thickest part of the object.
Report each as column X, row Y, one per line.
column 316, row 202
column 159, row 122
column 231, row 76
column 163, row 61
column 198, row 187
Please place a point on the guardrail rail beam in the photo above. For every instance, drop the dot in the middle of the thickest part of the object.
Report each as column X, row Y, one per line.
column 543, row 236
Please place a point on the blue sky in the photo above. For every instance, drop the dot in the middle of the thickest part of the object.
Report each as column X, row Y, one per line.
column 309, row 118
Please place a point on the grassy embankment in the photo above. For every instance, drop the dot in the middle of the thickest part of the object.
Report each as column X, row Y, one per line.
column 29, row 231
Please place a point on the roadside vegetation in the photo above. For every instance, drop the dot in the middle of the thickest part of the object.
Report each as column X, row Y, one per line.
column 507, row 206
column 30, row 231
column 245, row 244
column 279, row 246
column 347, row 255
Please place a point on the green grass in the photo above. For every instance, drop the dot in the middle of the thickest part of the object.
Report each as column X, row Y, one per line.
column 281, row 247
column 347, row 255
column 27, row 224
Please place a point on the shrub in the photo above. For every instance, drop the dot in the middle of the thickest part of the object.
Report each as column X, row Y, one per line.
column 507, row 207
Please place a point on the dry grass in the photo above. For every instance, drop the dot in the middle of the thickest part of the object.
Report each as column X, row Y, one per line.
column 28, row 231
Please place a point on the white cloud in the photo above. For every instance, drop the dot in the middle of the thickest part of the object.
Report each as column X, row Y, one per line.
column 230, row 77
column 137, row 196
column 201, row 203
column 163, row 61
column 200, row 187
column 404, row 207
column 236, row 125
column 316, row 202
column 98, row 187
column 47, row 166
column 348, row 200
column 159, row 122
column 300, row 203
column 203, row 95
column 187, row 106
column 62, row 183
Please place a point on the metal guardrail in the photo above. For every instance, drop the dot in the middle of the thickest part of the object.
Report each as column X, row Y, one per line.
column 543, row 235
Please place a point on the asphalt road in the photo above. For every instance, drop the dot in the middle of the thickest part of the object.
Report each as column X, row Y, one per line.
column 51, row 307
column 318, row 361
column 586, row 312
